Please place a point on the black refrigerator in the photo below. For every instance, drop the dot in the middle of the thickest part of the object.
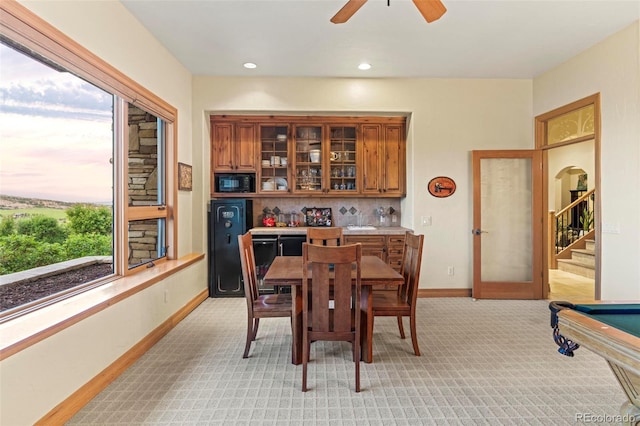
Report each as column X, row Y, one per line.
column 227, row 220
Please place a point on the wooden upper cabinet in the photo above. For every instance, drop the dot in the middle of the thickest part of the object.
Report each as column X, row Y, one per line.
column 246, row 147
column 383, row 151
column 371, row 158
column 309, row 159
column 393, row 166
column 233, row 147
column 326, row 155
column 221, row 147
column 342, row 166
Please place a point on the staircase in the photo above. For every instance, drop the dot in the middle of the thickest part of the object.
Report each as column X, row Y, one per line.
column 582, row 262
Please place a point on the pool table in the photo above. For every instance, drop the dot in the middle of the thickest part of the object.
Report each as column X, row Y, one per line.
column 611, row 330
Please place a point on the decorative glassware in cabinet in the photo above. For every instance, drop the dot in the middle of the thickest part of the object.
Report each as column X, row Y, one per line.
column 342, row 158
column 274, row 158
column 308, row 161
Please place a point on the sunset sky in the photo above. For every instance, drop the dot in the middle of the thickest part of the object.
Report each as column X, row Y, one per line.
column 55, row 133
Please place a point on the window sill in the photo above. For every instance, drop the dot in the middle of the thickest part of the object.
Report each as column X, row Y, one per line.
column 27, row 330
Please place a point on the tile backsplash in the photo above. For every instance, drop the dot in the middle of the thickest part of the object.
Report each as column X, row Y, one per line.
column 345, row 211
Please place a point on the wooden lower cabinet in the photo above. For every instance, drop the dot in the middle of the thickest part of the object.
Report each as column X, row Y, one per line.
column 372, row 245
column 387, row 247
column 395, row 249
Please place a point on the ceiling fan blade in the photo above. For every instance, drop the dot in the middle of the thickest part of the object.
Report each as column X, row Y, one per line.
column 432, row 10
column 347, row 11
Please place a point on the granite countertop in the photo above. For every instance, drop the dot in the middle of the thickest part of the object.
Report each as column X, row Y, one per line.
column 302, row 230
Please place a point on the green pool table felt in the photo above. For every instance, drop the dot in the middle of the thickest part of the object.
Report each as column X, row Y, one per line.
column 623, row 316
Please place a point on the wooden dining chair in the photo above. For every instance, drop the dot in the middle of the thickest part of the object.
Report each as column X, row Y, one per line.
column 258, row 305
column 402, row 303
column 342, row 322
column 325, row 236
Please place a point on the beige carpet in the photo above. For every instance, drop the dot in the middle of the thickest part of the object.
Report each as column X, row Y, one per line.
column 483, row 363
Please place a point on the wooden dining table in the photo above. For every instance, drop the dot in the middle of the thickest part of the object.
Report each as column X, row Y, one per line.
column 287, row 271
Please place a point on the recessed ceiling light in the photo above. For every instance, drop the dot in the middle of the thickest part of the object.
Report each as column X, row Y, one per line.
column 250, row 65
column 364, row 66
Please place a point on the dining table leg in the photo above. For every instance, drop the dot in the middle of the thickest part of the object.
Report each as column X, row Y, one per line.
column 296, row 325
column 366, row 323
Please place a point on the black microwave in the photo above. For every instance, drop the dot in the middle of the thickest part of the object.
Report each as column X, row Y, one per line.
column 235, row 183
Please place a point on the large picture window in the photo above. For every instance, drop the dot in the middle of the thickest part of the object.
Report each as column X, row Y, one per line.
column 87, row 168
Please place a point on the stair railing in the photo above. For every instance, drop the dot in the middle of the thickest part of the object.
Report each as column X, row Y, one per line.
column 571, row 226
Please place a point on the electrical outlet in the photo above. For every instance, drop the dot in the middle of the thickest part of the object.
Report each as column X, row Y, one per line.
column 450, row 271
column 394, row 218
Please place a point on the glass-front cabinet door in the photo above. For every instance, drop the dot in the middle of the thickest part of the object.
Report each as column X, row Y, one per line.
column 309, row 155
column 274, row 160
column 342, row 160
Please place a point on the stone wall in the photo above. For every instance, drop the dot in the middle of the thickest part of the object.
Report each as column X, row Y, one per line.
column 143, row 241
column 143, row 158
column 143, row 183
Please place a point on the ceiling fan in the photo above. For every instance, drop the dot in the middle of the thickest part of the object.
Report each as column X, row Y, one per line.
column 430, row 9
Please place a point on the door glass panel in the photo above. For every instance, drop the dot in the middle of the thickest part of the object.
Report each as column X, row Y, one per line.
column 273, row 161
column 146, row 147
column 572, row 125
column 308, row 161
column 506, row 204
column 342, row 159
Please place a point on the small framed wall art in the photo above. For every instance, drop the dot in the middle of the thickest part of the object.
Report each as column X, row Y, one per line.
column 184, row 177
column 441, row 186
column 582, row 182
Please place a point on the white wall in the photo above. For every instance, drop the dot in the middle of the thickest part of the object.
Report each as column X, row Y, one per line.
column 35, row 380
column 612, row 68
column 449, row 118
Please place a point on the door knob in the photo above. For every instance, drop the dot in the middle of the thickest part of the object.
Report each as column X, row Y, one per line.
column 478, row 231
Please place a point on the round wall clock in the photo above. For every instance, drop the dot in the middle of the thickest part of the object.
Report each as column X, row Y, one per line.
column 441, row 186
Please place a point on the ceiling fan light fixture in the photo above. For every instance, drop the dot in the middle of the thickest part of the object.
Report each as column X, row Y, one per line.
column 249, row 65
column 364, row 66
